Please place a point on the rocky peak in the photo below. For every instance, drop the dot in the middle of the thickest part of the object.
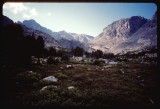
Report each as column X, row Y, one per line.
column 63, row 32
column 83, row 38
column 31, row 23
column 124, row 27
column 136, row 22
column 34, row 25
column 127, row 34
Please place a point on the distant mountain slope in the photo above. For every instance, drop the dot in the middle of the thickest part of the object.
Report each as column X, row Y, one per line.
column 6, row 21
column 73, row 40
column 127, row 35
column 66, row 40
column 36, row 26
column 57, row 35
column 83, row 38
column 70, row 43
column 49, row 41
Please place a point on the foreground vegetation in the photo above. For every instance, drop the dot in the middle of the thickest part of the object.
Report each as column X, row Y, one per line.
column 126, row 84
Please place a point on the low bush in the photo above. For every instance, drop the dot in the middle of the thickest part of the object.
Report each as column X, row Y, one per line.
column 51, row 60
column 65, row 58
column 44, row 83
column 61, row 76
column 28, row 77
column 98, row 62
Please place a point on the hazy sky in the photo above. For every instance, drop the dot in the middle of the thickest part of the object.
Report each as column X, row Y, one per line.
column 82, row 18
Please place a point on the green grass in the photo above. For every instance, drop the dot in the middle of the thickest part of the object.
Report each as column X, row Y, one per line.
column 28, row 77
column 93, row 86
column 61, row 75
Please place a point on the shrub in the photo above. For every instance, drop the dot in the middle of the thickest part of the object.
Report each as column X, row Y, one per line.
column 65, row 58
column 78, row 77
column 50, row 60
column 62, row 76
column 98, row 62
column 44, row 83
column 28, row 77
column 83, row 61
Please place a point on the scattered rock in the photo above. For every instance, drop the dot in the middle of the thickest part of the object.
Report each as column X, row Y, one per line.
column 48, row 88
column 126, row 66
column 69, row 66
column 151, row 101
column 50, row 79
column 138, row 76
column 71, row 87
column 30, row 71
column 122, row 71
column 89, row 69
column 102, row 69
column 144, row 62
column 142, row 80
column 113, row 63
column 141, row 84
column 107, row 66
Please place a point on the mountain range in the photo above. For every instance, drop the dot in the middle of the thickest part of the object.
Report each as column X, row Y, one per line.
column 49, row 40
column 83, row 38
column 128, row 34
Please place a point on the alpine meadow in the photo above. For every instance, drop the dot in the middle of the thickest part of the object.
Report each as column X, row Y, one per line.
column 79, row 55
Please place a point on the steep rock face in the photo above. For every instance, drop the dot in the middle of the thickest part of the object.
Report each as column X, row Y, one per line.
column 126, row 35
column 146, row 36
column 124, row 27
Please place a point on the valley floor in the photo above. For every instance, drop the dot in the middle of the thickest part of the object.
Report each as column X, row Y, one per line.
column 127, row 85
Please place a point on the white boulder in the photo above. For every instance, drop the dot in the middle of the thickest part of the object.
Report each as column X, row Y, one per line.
column 113, row 63
column 50, row 79
column 69, row 66
column 71, row 87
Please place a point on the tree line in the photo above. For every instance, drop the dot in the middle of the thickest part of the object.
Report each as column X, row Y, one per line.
column 18, row 49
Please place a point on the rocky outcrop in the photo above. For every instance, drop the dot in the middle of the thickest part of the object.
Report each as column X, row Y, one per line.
column 127, row 35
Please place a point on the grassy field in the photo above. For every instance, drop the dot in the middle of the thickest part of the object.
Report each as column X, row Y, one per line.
column 127, row 85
